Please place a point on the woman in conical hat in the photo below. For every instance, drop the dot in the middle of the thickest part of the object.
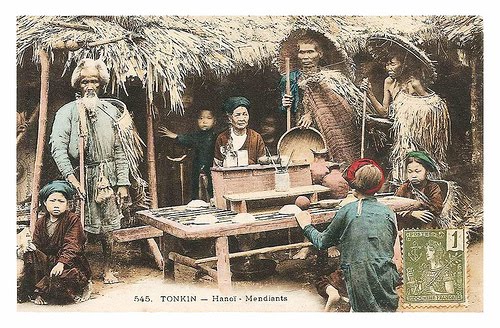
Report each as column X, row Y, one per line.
column 421, row 118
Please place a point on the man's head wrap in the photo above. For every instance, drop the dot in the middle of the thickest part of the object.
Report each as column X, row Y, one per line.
column 56, row 186
column 234, row 102
column 359, row 183
column 90, row 64
column 422, row 158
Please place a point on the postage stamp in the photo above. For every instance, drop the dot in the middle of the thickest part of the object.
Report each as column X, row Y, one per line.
column 435, row 263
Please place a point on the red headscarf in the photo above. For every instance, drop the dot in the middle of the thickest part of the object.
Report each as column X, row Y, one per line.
column 350, row 174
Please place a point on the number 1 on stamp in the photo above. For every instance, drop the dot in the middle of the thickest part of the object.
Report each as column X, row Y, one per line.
column 455, row 240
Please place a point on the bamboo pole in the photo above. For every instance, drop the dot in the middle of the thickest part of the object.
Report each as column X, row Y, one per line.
column 288, row 92
column 151, row 163
column 42, row 127
column 257, row 251
column 363, row 126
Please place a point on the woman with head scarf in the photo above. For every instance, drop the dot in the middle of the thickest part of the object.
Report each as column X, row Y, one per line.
column 238, row 137
column 55, row 267
column 364, row 231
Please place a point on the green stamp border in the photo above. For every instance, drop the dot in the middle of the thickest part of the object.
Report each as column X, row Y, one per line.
column 463, row 303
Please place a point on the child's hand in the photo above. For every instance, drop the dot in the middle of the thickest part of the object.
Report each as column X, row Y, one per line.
column 303, row 219
column 57, row 269
column 164, row 132
column 424, row 216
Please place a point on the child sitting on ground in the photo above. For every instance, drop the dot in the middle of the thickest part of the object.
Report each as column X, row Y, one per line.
column 55, row 267
column 202, row 141
column 364, row 231
column 418, row 187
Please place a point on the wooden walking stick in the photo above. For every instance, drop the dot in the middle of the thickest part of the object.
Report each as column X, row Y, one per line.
column 363, row 123
column 81, row 152
column 181, row 173
column 288, row 92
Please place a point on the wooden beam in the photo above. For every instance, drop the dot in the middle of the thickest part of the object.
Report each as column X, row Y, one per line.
column 42, row 127
column 257, row 251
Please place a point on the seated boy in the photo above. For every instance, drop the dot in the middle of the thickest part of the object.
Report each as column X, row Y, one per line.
column 55, row 267
column 364, row 231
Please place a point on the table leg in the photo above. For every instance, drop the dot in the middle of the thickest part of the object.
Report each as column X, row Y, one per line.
column 314, row 198
column 223, row 269
column 168, row 243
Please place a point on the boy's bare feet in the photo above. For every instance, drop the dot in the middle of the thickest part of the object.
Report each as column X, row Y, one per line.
column 85, row 296
column 333, row 298
column 39, row 301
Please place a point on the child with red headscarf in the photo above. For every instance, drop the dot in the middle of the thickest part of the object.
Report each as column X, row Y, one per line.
column 364, row 231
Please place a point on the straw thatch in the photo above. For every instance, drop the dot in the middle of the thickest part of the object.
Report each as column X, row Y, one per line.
column 159, row 53
column 163, row 50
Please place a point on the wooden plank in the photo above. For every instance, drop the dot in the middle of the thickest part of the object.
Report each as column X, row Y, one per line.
column 272, row 194
column 257, row 251
column 136, row 233
column 223, row 268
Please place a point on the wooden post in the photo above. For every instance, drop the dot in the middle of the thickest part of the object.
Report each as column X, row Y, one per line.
column 363, row 124
column 475, row 113
column 42, row 127
column 223, row 269
column 288, row 92
column 150, row 144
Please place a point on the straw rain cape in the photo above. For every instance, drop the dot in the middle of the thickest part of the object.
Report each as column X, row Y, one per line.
column 336, row 105
column 420, row 123
column 132, row 146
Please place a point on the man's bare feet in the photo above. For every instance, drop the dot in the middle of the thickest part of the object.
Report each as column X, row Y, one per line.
column 39, row 301
column 302, row 254
column 109, row 277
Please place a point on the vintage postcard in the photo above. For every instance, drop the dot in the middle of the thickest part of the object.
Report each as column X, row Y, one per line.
column 249, row 163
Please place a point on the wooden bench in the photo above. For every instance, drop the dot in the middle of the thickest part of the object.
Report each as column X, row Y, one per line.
column 142, row 232
column 238, row 202
column 136, row 233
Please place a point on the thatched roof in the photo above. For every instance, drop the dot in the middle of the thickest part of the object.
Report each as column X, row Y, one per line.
column 163, row 50
column 152, row 48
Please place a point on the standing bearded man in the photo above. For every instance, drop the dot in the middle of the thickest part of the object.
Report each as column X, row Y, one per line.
column 106, row 166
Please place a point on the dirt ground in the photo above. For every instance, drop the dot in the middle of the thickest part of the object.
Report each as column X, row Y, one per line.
column 290, row 289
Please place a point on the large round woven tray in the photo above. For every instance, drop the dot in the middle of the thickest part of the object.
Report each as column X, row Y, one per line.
column 300, row 142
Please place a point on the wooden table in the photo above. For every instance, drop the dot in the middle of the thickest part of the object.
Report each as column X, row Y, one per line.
column 165, row 219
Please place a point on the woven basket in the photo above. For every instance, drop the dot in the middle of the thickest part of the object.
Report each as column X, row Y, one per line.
column 301, row 142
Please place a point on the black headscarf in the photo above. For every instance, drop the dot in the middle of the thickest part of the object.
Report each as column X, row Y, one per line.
column 57, row 186
column 234, row 102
